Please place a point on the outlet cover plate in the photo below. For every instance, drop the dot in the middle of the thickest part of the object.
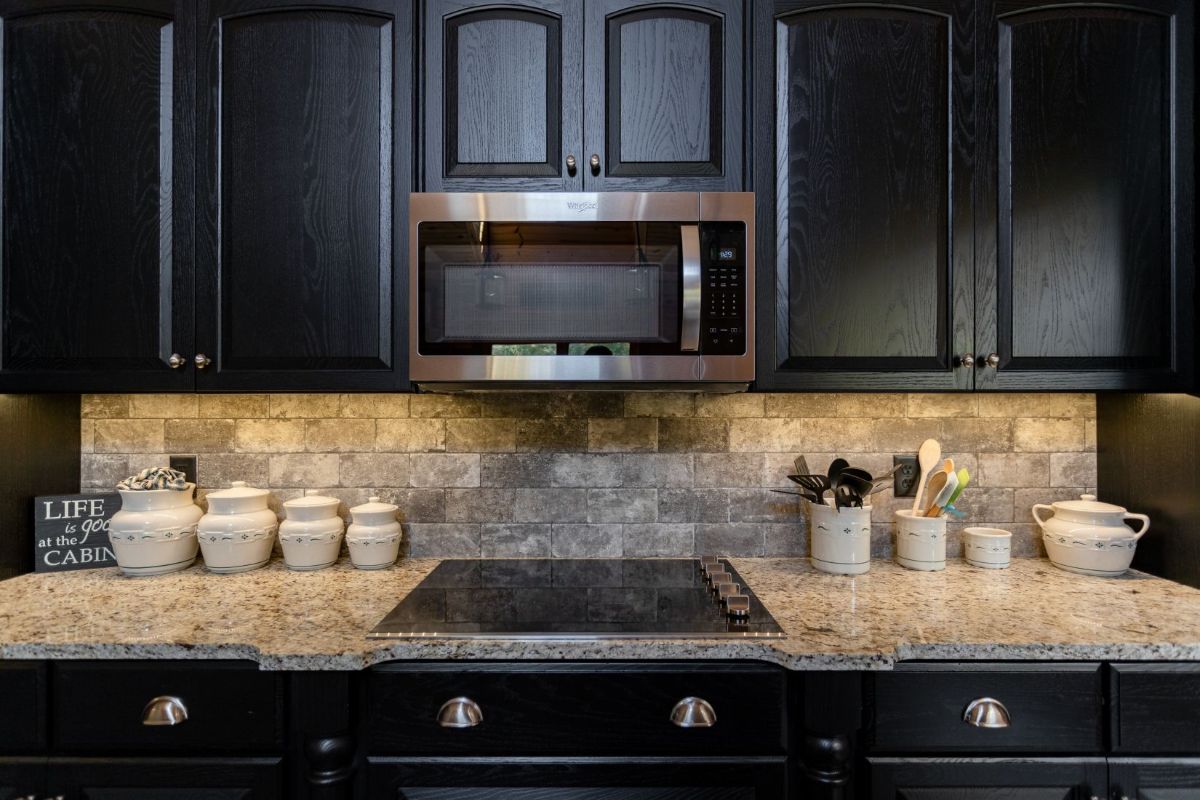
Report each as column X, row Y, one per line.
column 906, row 476
column 184, row 464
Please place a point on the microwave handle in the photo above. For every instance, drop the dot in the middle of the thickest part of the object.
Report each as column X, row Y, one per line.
column 689, row 334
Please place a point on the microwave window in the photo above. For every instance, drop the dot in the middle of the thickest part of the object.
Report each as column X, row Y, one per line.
column 549, row 288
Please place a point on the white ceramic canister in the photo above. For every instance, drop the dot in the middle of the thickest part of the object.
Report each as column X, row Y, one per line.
column 1090, row 537
column 312, row 533
column 920, row 541
column 374, row 535
column 989, row 548
column 238, row 532
column 840, row 540
column 155, row 531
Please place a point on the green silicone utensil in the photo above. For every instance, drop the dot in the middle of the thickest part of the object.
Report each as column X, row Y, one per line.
column 964, row 478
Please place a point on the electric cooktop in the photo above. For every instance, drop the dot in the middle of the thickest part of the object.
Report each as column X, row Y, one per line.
column 543, row 598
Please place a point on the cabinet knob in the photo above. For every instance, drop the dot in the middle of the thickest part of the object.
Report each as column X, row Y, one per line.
column 202, row 361
column 164, row 710
column 176, row 361
column 594, row 161
column 570, row 165
column 967, row 361
column 993, row 360
column 459, row 712
column 693, row 712
column 986, row 712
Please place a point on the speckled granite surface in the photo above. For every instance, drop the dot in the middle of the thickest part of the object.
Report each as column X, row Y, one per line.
column 288, row 620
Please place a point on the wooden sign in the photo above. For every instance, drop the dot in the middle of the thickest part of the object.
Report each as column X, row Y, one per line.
column 71, row 531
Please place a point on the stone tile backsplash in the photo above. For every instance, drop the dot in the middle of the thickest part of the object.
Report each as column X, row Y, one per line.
column 600, row 474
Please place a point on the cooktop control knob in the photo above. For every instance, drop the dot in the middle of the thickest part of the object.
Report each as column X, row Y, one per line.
column 737, row 606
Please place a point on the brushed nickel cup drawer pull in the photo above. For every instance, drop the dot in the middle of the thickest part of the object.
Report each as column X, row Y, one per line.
column 693, row 712
column 459, row 712
column 986, row 712
column 164, row 710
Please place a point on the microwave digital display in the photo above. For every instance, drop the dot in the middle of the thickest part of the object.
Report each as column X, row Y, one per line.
column 725, row 254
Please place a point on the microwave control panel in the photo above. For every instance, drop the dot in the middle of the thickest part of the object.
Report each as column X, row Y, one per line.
column 723, row 288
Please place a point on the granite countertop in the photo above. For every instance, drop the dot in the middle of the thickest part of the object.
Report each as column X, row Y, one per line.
column 318, row 621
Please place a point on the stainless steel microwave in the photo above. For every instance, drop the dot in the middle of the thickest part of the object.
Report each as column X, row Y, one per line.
column 609, row 290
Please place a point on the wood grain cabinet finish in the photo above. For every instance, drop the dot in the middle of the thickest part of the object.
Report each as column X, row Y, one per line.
column 1003, row 182
column 95, row 194
column 1155, row 709
column 1084, row 244
column 663, row 89
column 23, row 694
column 565, row 95
column 161, row 778
column 303, row 171
column 1154, row 778
column 232, row 708
column 986, row 778
column 1054, row 709
column 863, row 175
column 503, row 95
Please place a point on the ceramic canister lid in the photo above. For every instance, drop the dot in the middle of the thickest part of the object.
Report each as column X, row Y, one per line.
column 312, row 506
column 238, row 498
column 1087, row 504
column 374, row 512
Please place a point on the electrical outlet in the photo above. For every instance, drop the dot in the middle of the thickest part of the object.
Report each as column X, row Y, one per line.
column 906, row 476
column 184, row 464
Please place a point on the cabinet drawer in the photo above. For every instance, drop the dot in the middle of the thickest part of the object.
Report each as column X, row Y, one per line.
column 98, row 706
column 1052, row 708
column 1155, row 708
column 22, row 706
column 576, row 709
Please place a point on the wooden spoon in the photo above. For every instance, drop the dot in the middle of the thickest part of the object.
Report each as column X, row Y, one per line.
column 927, row 457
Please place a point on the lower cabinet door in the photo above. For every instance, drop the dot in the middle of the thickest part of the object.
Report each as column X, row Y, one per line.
column 1154, row 778
column 22, row 778
column 164, row 778
column 987, row 778
column 584, row 779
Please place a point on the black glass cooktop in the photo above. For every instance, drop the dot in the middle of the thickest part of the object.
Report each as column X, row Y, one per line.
column 537, row 598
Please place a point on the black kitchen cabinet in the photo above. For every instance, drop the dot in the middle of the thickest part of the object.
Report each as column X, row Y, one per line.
column 21, row 779
column 863, row 179
column 1154, row 778
column 986, row 778
column 554, row 95
column 157, row 778
column 974, row 194
column 711, row 778
column 96, row 195
column 303, row 174
column 1085, row 239
column 502, row 91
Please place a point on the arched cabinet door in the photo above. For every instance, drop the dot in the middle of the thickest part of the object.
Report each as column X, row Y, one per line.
column 663, row 95
column 864, row 119
column 502, row 95
column 304, row 171
column 95, row 195
column 1085, row 224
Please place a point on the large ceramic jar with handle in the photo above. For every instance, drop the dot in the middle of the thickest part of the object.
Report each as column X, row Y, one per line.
column 238, row 532
column 155, row 531
column 1089, row 537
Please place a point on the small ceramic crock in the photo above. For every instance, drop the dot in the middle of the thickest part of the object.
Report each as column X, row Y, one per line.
column 920, row 541
column 312, row 533
column 373, row 537
column 238, row 532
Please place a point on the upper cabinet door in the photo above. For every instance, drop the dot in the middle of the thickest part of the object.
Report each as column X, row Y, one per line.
column 1085, row 224
column 503, row 96
column 663, row 95
column 863, row 176
column 95, row 204
column 303, row 164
